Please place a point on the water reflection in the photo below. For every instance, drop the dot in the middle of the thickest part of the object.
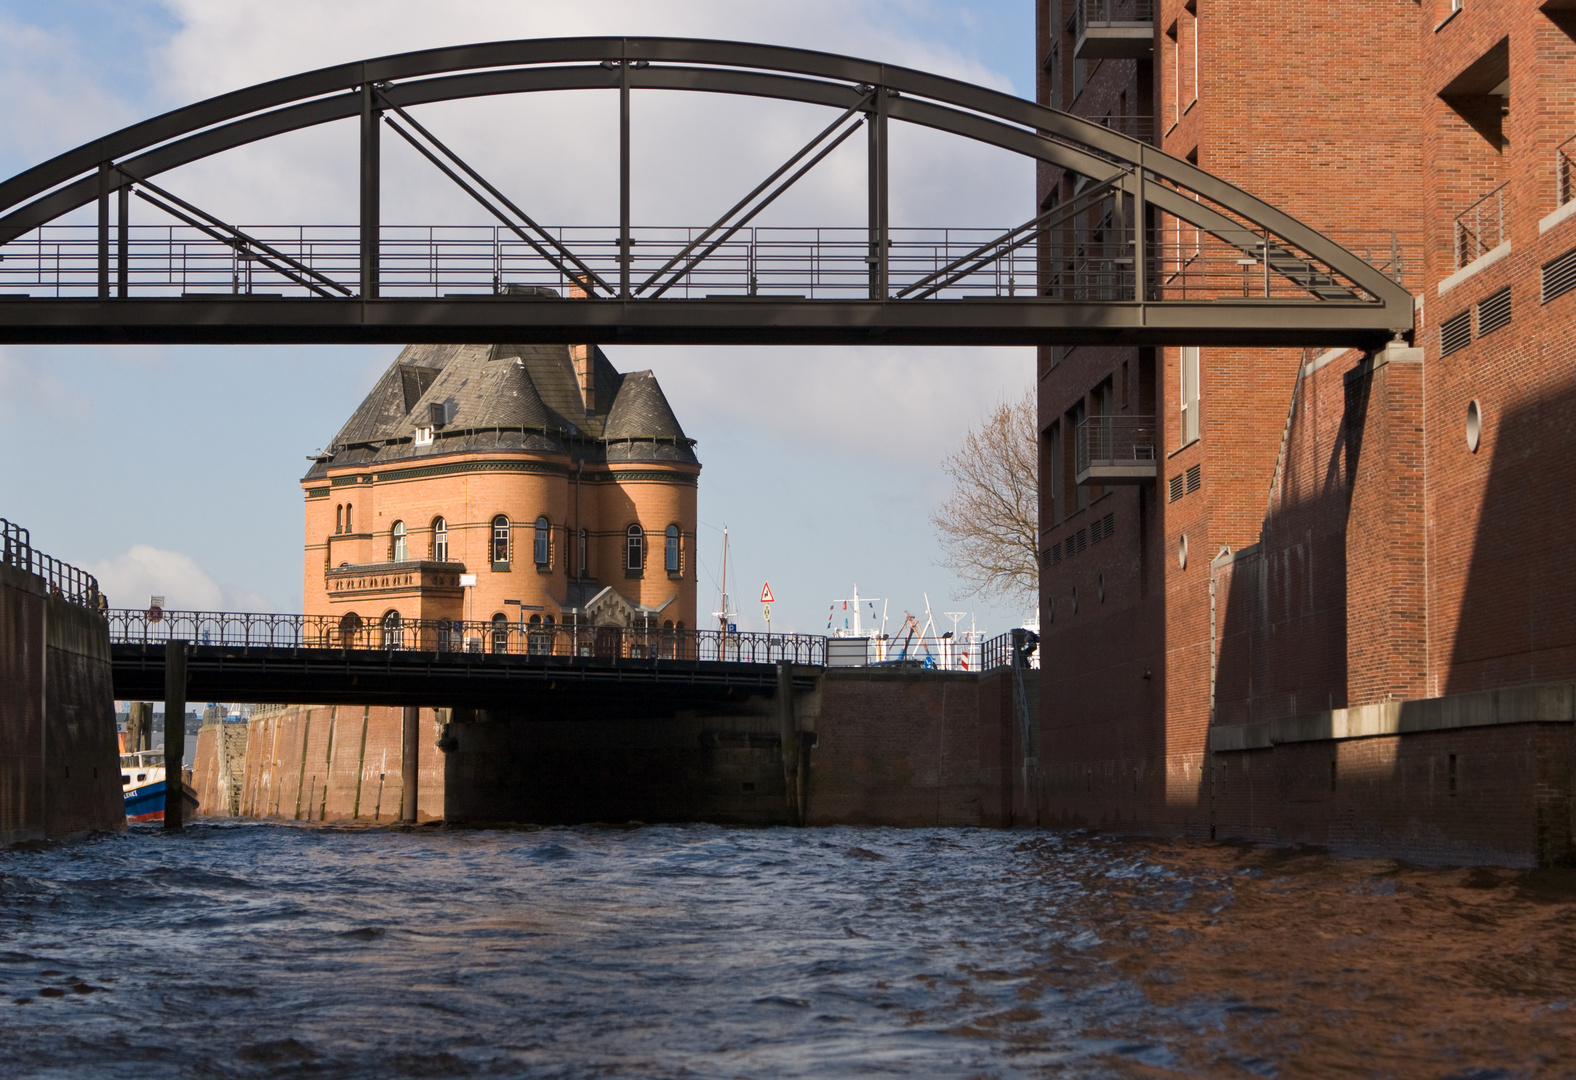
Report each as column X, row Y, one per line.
column 248, row 949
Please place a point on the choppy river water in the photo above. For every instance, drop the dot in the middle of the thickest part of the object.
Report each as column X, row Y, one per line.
column 271, row 950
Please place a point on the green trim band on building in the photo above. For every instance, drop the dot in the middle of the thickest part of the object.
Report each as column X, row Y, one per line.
column 643, row 476
column 317, row 493
column 532, row 468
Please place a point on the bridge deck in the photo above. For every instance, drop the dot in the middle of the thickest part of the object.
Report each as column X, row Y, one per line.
column 572, row 685
column 761, row 320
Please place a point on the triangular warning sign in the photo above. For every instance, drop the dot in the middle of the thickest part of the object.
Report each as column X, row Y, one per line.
column 766, row 594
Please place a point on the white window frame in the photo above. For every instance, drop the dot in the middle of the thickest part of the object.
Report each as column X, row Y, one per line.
column 1187, row 368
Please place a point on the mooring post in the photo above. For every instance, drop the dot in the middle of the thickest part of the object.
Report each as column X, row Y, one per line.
column 409, row 745
column 788, row 728
column 174, row 732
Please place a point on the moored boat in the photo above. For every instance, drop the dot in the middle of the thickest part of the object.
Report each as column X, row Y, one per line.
column 142, row 781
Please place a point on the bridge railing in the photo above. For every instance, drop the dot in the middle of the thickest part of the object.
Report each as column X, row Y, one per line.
column 65, row 581
column 247, row 630
column 430, row 261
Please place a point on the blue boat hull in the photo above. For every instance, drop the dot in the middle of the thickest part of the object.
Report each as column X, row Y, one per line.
column 147, row 802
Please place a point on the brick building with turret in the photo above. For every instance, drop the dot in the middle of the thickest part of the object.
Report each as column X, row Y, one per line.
column 564, row 489
column 1338, row 609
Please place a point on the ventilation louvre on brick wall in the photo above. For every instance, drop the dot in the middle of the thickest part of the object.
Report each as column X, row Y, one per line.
column 1559, row 276
column 1493, row 312
column 1102, row 528
column 1455, row 333
column 1176, row 487
column 1195, row 478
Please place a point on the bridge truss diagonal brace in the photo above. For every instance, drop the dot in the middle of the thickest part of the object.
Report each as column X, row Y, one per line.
column 793, row 160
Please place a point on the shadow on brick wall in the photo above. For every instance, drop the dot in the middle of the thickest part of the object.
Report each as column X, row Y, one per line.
column 1516, row 621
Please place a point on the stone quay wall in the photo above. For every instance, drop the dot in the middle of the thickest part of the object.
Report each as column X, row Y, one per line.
column 888, row 747
column 59, row 764
column 317, row 763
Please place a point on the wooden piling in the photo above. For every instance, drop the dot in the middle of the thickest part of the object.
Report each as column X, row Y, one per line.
column 174, row 732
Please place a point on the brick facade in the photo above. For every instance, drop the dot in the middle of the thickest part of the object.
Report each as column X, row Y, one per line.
column 1345, row 544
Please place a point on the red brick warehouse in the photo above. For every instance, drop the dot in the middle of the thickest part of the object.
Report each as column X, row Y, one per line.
column 1335, row 611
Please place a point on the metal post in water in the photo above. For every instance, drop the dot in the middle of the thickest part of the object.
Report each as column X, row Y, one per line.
column 174, row 732
column 409, row 745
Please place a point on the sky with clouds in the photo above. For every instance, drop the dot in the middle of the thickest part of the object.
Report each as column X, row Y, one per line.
column 174, row 469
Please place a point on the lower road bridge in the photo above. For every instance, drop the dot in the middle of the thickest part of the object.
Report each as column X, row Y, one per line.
column 564, row 670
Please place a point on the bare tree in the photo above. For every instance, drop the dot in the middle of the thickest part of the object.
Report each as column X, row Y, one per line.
column 990, row 525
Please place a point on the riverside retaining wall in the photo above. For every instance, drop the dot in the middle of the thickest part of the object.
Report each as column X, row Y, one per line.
column 59, row 760
column 890, row 747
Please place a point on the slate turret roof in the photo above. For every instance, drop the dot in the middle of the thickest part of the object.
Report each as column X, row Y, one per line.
column 524, row 398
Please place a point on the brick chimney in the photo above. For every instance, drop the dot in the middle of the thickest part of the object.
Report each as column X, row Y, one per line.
column 580, row 357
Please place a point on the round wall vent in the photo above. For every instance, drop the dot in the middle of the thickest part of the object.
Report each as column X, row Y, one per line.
column 1474, row 425
column 1182, row 553
column 1075, row 599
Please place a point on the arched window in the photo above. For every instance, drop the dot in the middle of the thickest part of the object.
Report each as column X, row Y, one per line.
column 541, row 549
column 634, row 550
column 440, row 540
column 349, row 629
column 401, row 550
column 581, row 565
column 393, row 631
column 348, row 527
column 500, row 543
column 500, row 633
column 536, row 641
column 670, row 551
column 339, row 518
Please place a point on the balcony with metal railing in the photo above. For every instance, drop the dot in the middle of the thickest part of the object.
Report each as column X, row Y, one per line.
column 1565, row 170
column 1480, row 228
column 1116, row 450
column 1113, row 29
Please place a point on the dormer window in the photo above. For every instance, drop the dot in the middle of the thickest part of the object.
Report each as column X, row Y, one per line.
column 424, row 436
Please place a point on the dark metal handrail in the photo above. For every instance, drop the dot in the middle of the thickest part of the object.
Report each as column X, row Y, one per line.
column 265, row 630
column 65, row 581
column 1480, row 228
column 1565, row 170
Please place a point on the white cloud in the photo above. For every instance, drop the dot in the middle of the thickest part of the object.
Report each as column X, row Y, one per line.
column 53, row 101
column 898, row 404
column 144, row 571
column 28, row 388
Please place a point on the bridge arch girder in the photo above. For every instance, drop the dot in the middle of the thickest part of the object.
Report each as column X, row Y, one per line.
column 1133, row 173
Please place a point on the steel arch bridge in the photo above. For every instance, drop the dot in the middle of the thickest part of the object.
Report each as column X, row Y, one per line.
column 1149, row 250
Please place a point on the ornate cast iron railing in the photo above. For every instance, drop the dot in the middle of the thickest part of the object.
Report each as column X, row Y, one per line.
column 65, row 581
column 262, row 630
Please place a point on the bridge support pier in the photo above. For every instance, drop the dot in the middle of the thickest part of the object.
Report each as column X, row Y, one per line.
column 174, row 732
column 410, row 733
column 794, row 777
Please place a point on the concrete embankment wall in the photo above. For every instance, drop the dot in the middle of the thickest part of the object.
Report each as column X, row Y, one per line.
column 219, row 768
column 317, row 763
column 59, row 761
column 906, row 748
column 914, row 748
column 1487, row 777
